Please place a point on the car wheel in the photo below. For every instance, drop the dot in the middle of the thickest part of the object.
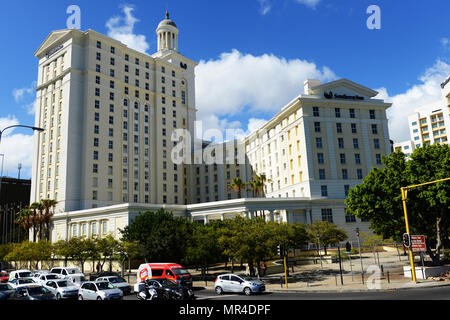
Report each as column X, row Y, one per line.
column 219, row 290
column 58, row 296
column 99, row 298
column 80, row 297
column 247, row 291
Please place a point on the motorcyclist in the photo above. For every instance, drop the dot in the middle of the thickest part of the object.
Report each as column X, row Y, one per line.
column 146, row 290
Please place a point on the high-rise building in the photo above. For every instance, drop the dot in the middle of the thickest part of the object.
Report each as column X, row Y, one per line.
column 112, row 117
column 429, row 124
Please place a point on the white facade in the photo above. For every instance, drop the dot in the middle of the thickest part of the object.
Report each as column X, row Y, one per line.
column 109, row 113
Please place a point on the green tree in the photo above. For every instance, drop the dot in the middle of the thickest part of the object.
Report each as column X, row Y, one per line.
column 203, row 247
column 47, row 214
column 378, row 199
column 328, row 233
column 237, row 185
column 161, row 236
column 62, row 249
column 107, row 248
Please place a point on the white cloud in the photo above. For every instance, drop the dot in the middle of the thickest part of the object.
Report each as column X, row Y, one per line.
column 445, row 42
column 264, row 6
column 426, row 92
column 16, row 149
column 237, row 83
column 309, row 3
column 23, row 93
column 122, row 29
column 254, row 124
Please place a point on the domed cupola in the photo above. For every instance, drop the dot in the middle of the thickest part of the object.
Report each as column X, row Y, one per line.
column 167, row 33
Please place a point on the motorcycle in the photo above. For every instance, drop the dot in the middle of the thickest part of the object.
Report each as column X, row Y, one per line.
column 146, row 292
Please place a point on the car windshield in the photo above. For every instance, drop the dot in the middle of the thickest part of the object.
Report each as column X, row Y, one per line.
column 37, row 290
column 25, row 274
column 73, row 270
column 247, row 278
column 104, row 286
column 4, row 287
column 64, row 283
column 116, row 280
column 24, row 281
column 168, row 283
column 180, row 271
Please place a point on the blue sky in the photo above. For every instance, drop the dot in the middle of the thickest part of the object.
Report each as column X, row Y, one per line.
column 247, row 50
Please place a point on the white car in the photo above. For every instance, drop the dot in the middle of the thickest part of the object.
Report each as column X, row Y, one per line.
column 102, row 290
column 63, row 289
column 46, row 277
column 69, row 273
column 20, row 274
column 117, row 282
column 38, row 273
column 21, row 282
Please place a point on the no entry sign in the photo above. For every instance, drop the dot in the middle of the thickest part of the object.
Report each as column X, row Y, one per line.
column 418, row 244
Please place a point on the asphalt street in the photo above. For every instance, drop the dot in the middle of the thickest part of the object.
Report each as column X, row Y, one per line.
column 438, row 293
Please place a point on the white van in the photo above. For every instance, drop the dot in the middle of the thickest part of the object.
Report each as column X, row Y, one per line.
column 70, row 273
column 20, row 274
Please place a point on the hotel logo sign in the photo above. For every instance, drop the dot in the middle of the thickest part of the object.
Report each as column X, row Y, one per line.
column 330, row 95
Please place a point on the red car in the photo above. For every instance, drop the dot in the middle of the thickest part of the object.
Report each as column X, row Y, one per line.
column 4, row 277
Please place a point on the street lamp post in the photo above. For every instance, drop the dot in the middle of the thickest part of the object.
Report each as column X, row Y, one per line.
column 360, row 257
column 318, row 248
column 20, row 126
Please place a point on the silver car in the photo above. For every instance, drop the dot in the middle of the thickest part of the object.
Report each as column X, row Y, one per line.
column 117, row 282
column 63, row 289
column 102, row 290
column 238, row 283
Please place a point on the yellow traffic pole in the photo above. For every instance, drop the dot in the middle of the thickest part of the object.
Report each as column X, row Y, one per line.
column 285, row 272
column 411, row 256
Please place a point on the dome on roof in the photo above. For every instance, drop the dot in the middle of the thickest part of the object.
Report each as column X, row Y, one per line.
column 167, row 22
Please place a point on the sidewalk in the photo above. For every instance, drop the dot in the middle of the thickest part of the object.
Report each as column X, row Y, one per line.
column 326, row 278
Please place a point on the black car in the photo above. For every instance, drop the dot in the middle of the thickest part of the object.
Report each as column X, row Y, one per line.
column 32, row 292
column 6, row 290
column 171, row 290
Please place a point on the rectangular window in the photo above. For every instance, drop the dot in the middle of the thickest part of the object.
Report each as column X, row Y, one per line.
column 341, row 143
column 357, row 158
column 316, row 112
column 324, row 191
column 375, row 129
column 353, row 128
column 344, row 174
column 316, row 126
column 327, row 215
column 376, row 143
column 359, row 174
column 320, row 158
column 372, row 114
column 339, row 127
column 319, row 143
column 378, row 158
column 322, row 174
column 337, row 112
column 355, row 143
column 352, row 113
column 342, row 158
column 346, row 189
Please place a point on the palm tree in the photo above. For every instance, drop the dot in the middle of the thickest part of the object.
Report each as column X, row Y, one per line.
column 36, row 207
column 254, row 187
column 237, row 185
column 24, row 219
column 47, row 204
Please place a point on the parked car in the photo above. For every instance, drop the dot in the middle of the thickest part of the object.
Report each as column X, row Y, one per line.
column 38, row 273
column 17, row 274
column 46, row 277
column 238, row 283
column 22, row 281
column 170, row 290
column 117, row 282
column 63, row 289
column 70, row 273
column 94, row 276
column 4, row 276
column 32, row 292
column 171, row 271
column 102, row 290
column 6, row 290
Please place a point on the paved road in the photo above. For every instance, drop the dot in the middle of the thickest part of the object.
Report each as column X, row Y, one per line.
column 439, row 293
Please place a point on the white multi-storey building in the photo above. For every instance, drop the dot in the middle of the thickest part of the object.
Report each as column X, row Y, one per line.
column 109, row 113
column 429, row 124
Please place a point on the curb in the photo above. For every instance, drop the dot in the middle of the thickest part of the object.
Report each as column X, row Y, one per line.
column 357, row 290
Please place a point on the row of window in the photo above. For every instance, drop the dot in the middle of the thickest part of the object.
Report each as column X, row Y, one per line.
column 317, row 128
column 337, row 112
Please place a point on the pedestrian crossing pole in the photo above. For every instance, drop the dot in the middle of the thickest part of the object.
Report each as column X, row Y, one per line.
column 285, row 272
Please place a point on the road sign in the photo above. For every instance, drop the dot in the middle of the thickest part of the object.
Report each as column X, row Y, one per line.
column 418, row 244
column 406, row 240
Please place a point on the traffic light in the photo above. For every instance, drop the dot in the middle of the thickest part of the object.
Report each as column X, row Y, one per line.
column 348, row 247
column 280, row 251
column 406, row 240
